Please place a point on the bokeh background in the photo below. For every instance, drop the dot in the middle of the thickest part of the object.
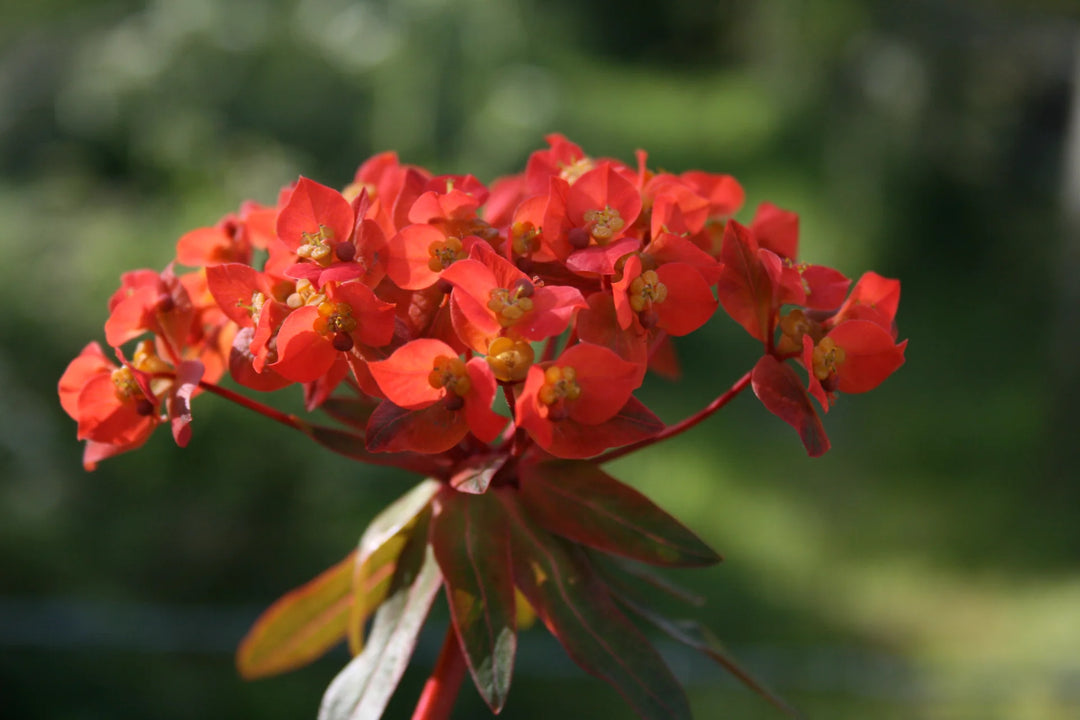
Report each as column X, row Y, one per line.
column 927, row 567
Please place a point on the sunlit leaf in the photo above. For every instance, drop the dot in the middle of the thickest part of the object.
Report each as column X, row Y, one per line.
column 377, row 555
column 469, row 535
column 581, row 502
column 364, row 687
column 301, row 626
column 577, row 609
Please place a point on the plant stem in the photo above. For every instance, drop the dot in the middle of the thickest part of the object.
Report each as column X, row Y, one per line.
column 673, row 430
column 272, row 413
column 441, row 689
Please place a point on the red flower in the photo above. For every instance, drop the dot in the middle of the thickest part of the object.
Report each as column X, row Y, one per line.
column 314, row 337
column 581, row 403
column 491, row 298
column 434, row 399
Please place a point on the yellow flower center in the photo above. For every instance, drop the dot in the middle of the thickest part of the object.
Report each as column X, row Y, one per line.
column 443, row 253
column 317, row 246
column 828, row 356
column 559, row 384
column 604, row 224
column 511, row 305
column 510, row 359
column 645, row 290
column 305, row 294
column 524, row 238
column 450, row 373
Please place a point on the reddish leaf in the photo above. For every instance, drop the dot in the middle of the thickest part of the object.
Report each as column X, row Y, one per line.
column 301, row 626
column 778, row 387
column 634, row 422
column 581, row 502
column 470, row 538
column 363, row 688
column 580, row 613
column 433, row 429
column 377, row 555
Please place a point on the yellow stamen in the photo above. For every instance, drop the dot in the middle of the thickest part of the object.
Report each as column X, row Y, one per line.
column 510, row 359
column 645, row 290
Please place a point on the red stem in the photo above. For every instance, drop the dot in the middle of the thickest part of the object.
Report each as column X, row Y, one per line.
column 272, row 413
column 441, row 689
column 681, row 427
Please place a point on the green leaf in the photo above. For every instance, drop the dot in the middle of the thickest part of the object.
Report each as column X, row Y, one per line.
column 363, row 688
column 581, row 502
column 300, row 626
column 469, row 535
column 616, row 569
column 700, row 638
column 377, row 555
column 577, row 609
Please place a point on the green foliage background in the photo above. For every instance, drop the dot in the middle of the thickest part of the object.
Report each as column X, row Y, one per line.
column 925, row 568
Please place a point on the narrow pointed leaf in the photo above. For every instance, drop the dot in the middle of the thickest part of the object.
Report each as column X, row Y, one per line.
column 577, row 609
column 363, row 688
column 377, row 555
column 469, row 535
column 352, row 411
column 617, row 573
column 581, row 502
column 700, row 638
column 301, row 626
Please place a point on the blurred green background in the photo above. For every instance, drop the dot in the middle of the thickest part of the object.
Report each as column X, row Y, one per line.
column 927, row 567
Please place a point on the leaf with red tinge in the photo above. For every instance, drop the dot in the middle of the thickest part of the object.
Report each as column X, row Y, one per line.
column 363, row 688
column 433, row 429
column 300, row 626
column 575, row 606
column 581, row 502
column 781, row 392
column 700, row 638
column 377, row 555
column 470, row 538
column 634, row 422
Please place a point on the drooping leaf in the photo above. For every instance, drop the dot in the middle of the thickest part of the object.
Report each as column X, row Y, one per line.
column 377, row 555
column 700, row 638
column 581, row 502
column 363, row 688
column 576, row 607
column 618, row 573
column 301, row 626
column 470, row 538
column 781, row 392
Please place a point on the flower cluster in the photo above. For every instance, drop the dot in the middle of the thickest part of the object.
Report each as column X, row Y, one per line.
column 404, row 303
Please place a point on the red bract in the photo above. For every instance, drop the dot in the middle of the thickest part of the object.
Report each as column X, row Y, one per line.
column 491, row 298
column 330, row 324
column 442, row 396
column 400, row 305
